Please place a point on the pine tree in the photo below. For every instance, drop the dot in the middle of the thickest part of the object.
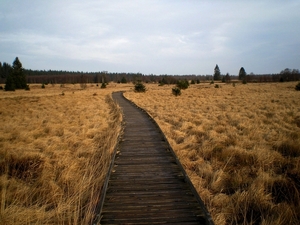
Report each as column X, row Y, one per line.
column 217, row 73
column 16, row 78
column 123, row 80
column 6, row 70
column 139, row 87
column 182, row 84
column 242, row 74
column 9, row 84
column 227, row 78
column 18, row 75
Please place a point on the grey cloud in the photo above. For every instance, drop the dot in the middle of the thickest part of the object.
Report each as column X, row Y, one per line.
column 174, row 37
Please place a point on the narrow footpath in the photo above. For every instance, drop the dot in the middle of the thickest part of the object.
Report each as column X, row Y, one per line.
column 147, row 184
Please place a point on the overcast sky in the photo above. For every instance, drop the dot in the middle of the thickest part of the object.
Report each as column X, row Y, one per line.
column 152, row 36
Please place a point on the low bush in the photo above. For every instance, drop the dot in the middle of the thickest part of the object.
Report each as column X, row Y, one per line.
column 176, row 91
column 297, row 87
column 139, row 87
column 182, row 84
column 103, row 85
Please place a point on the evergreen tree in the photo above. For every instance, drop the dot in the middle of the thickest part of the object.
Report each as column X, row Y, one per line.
column 176, row 91
column 103, row 85
column 242, row 74
column 123, row 80
column 139, row 87
column 217, row 73
column 182, row 84
column 223, row 79
column 15, row 76
column 6, row 70
column 18, row 75
column 227, row 78
column 9, row 84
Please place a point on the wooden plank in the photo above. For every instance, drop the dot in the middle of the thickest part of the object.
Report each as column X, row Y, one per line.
column 146, row 184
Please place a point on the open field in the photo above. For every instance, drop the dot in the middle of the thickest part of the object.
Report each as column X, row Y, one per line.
column 55, row 148
column 240, row 146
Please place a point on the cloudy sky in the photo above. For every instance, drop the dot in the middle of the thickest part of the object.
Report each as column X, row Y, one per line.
column 152, row 36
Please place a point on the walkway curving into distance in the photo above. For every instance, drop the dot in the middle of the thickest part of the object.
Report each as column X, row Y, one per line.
column 147, row 184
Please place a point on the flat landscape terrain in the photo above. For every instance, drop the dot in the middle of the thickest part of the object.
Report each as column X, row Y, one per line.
column 238, row 143
column 55, row 149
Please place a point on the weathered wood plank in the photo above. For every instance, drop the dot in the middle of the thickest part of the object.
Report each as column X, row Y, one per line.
column 147, row 185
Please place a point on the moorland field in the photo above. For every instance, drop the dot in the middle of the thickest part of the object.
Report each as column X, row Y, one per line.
column 55, row 149
column 238, row 143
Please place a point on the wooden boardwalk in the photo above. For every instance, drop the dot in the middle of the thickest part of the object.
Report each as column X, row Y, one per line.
column 147, row 184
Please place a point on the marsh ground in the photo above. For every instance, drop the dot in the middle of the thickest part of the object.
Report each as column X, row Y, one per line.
column 55, row 148
column 239, row 144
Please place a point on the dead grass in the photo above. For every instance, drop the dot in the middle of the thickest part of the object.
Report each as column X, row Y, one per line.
column 240, row 146
column 55, row 149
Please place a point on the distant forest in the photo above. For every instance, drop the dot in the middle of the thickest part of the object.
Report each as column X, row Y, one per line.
column 62, row 77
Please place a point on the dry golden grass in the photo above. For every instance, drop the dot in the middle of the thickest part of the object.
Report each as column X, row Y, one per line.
column 240, row 146
column 55, row 149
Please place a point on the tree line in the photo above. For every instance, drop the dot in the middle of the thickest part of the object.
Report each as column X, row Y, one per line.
column 18, row 77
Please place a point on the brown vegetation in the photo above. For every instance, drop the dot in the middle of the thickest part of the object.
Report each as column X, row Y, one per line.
column 240, row 144
column 55, row 148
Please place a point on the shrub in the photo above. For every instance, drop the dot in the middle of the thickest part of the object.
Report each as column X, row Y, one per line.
column 212, row 82
column 103, row 85
column 297, row 87
column 139, row 87
column 182, row 84
column 217, row 86
column 43, row 85
column 176, row 91
column 27, row 88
